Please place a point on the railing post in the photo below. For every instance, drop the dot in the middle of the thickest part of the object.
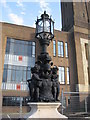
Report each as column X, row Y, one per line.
column 62, row 99
column 86, row 104
column 21, row 107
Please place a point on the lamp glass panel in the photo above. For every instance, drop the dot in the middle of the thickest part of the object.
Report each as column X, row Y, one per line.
column 46, row 26
column 40, row 26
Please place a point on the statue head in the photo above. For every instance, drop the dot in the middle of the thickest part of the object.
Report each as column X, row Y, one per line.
column 35, row 69
column 54, row 70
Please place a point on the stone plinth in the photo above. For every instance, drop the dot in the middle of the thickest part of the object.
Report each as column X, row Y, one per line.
column 44, row 110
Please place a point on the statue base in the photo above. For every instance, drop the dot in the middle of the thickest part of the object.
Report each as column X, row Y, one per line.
column 44, row 110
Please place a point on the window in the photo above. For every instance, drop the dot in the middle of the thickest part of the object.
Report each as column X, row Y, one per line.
column 88, row 75
column 16, row 74
column 60, row 49
column 61, row 75
column 5, row 75
column 24, row 76
column 9, row 75
column 68, row 100
column 20, row 47
column 15, row 101
column 54, row 48
column 13, row 75
column 28, row 73
column 19, row 74
column 68, row 77
column 66, row 49
column 33, row 49
column 8, row 46
column 86, row 50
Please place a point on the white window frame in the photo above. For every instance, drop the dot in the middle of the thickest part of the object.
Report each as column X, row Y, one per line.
column 62, row 74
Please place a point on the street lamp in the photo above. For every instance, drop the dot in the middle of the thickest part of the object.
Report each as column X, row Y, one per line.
column 44, row 81
column 44, row 30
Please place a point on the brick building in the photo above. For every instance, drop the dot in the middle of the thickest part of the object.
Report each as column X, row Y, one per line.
column 76, row 20
column 69, row 50
column 19, row 53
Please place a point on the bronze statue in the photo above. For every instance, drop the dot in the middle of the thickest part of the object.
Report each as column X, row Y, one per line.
column 44, row 84
column 56, row 85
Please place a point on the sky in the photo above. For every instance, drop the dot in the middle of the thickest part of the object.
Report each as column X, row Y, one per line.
column 25, row 12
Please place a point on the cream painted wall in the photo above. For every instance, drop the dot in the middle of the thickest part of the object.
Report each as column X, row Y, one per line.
column 84, row 87
column 85, row 61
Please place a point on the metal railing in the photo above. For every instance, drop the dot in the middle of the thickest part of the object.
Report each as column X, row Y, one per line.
column 19, row 104
column 74, row 102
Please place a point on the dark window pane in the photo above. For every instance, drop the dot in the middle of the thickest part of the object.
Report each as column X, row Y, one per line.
column 9, row 66
column 5, row 66
column 25, row 49
column 20, row 47
column 24, row 75
column 11, row 47
column 13, row 67
column 15, row 49
column 8, row 75
column 29, row 51
column 13, row 75
column 87, row 50
column 15, row 101
column 28, row 75
column 8, row 47
column 5, row 75
column 18, row 76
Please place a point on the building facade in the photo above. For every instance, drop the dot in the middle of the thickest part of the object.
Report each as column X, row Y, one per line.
column 76, row 20
column 69, row 50
column 20, row 49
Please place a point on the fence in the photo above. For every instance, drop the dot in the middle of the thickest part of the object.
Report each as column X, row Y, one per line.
column 71, row 103
column 74, row 102
column 15, row 107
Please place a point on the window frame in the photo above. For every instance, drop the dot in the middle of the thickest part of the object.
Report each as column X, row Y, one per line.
column 60, row 49
column 54, row 50
column 64, row 82
column 24, row 43
column 67, row 50
column 15, row 69
column 68, row 72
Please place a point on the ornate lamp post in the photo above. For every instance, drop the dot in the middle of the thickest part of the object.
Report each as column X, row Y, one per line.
column 44, row 82
column 44, row 30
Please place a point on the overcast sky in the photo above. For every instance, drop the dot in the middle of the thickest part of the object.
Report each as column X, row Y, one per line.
column 25, row 12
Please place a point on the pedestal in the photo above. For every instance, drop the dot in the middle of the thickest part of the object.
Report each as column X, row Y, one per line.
column 44, row 110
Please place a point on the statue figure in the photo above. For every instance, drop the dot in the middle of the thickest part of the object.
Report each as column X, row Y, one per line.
column 56, row 84
column 34, row 82
column 44, row 84
column 46, row 87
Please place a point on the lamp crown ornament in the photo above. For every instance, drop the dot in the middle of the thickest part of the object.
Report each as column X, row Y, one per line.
column 44, row 84
column 45, row 27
